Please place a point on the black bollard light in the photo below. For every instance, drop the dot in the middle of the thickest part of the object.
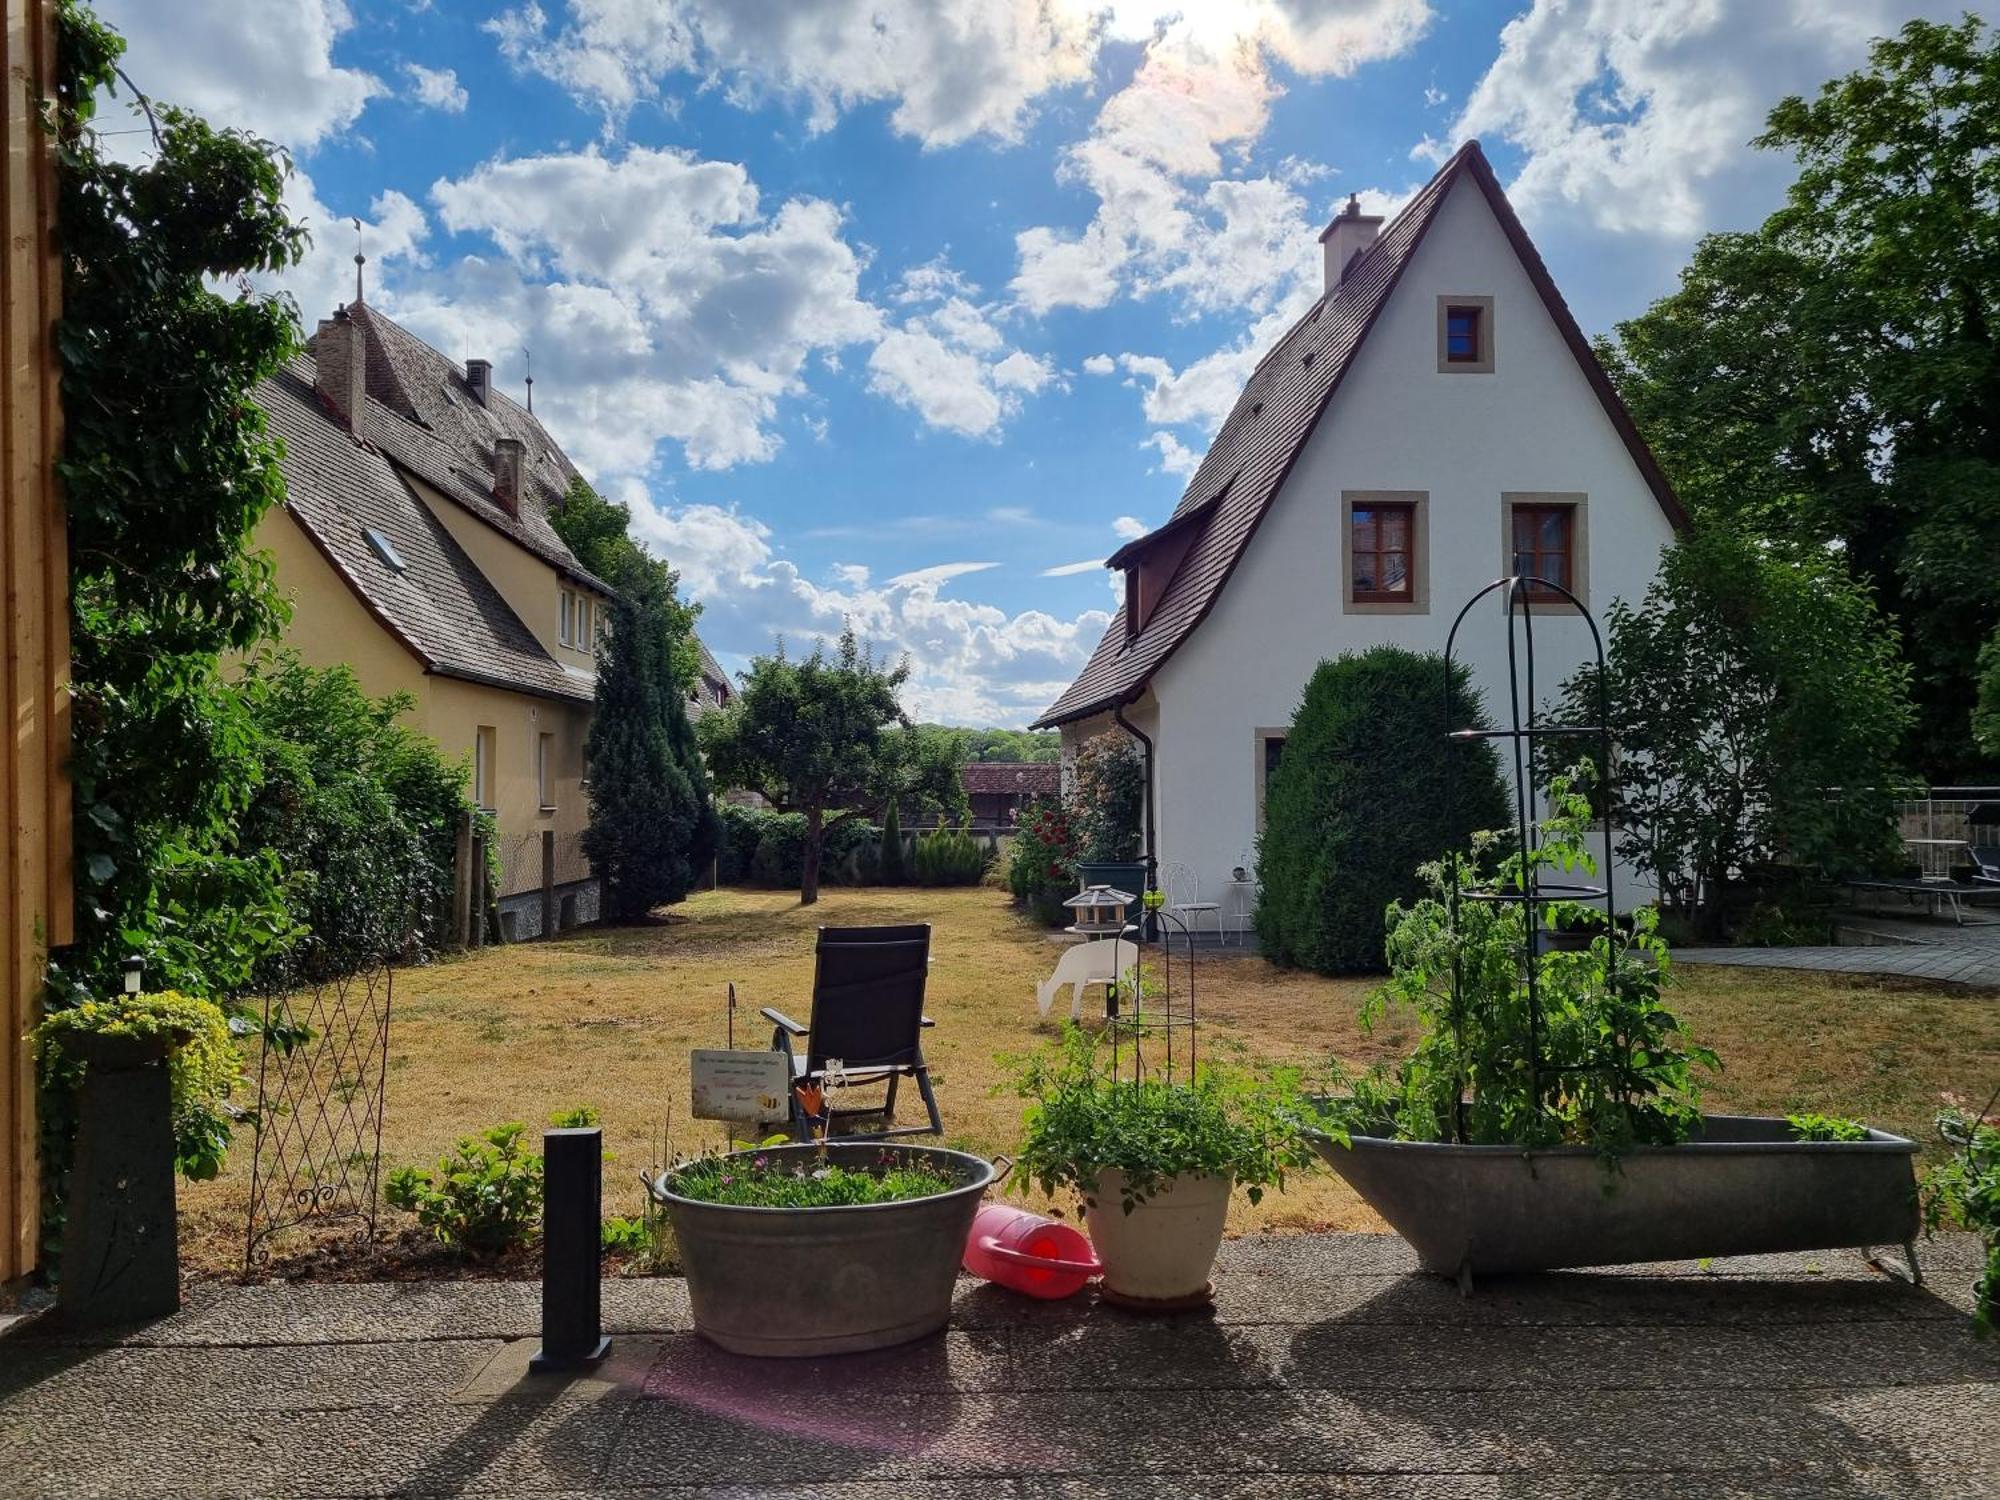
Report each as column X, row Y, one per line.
column 572, row 1250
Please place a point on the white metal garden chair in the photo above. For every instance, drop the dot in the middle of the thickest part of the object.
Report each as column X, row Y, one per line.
column 1184, row 898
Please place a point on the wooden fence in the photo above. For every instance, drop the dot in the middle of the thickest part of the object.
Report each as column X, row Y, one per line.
column 34, row 561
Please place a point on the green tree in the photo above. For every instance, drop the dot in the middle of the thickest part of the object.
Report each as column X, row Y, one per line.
column 826, row 737
column 1758, row 702
column 1038, row 747
column 652, row 827
column 1832, row 379
column 653, row 784
column 892, row 870
column 166, row 468
column 1368, row 790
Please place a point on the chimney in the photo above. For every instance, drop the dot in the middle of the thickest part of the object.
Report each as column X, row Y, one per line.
column 479, row 375
column 340, row 367
column 1347, row 236
column 507, row 453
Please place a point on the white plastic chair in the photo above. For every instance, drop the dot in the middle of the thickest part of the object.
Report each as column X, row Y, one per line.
column 1184, row 898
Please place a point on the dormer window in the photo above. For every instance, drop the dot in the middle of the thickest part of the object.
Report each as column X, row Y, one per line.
column 1465, row 335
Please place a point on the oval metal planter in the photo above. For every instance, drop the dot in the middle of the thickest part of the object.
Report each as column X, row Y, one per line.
column 1741, row 1187
column 809, row 1281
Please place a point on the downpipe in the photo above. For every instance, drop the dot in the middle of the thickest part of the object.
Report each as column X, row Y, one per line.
column 1151, row 923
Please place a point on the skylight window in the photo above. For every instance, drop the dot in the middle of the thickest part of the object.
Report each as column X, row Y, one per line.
column 384, row 549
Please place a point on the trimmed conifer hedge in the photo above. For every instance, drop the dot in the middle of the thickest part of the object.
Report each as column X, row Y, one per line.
column 1358, row 801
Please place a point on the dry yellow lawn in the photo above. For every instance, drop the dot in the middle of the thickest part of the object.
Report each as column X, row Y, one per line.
column 607, row 1018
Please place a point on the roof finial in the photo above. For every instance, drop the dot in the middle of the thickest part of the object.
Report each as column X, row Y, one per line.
column 529, row 355
column 1353, row 209
column 360, row 260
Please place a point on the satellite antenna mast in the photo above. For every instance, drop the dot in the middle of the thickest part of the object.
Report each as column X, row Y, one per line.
column 360, row 260
column 529, row 355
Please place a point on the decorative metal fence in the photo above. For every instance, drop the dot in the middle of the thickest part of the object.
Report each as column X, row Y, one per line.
column 321, row 1078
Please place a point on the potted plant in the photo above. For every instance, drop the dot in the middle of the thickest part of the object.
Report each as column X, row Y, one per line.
column 821, row 1248
column 1564, row 1127
column 156, row 1070
column 1153, row 1162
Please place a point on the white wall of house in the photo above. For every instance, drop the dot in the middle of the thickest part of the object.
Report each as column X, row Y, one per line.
column 1397, row 423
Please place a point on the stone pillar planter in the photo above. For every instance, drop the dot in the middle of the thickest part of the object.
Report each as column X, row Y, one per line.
column 120, row 1263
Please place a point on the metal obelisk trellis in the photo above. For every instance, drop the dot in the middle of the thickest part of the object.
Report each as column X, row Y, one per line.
column 321, row 1079
column 1168, row 1017
column 1520, row 593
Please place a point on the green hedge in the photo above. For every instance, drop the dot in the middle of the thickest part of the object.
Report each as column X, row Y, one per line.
column 766, row 848
column 952, row 856
column 1358, row 802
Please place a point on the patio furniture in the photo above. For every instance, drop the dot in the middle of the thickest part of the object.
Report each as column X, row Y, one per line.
column 1183, row 889
column 867, row 1025
column 1935, row 894
column 1982, row 845
column 1108, row 961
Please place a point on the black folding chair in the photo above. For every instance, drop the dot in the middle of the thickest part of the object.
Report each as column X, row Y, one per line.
column 868, row 1016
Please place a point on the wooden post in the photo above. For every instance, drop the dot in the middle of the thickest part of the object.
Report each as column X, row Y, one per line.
column 461, row 883
column 548, row 883
column 476, row 927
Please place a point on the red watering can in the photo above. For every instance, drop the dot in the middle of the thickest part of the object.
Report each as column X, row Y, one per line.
column 1025, row 1252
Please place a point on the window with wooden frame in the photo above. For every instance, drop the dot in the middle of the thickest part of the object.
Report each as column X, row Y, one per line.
column 1465, row 335
column 485, row 754
column 1381, row 551
column 1544, row 546
column 1270, row 744
column 545, row 771
column 1382, row 546
column 567, row 630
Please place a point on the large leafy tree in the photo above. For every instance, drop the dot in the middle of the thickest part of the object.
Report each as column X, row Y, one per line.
column 1831, row 379
column 826, row 737
column 1758, row 701
column 653, row 826
column 166, row 468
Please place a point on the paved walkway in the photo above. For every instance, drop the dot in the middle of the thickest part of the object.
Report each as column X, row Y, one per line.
column 1948, row 962
column 1329, row 1368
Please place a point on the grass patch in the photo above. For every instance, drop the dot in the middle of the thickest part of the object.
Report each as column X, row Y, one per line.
column 608, row 1017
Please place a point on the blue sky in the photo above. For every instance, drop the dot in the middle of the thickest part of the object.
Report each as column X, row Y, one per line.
column 897, row 311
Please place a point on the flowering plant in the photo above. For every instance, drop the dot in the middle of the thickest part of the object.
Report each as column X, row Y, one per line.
column 1041, row 863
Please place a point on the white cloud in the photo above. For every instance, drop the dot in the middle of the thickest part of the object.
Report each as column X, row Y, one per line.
column 1070, row 570
column 1634, row 116
column 1130, row 528
column 948, row 361
column 1175, row 456
column 1099, row 364
column 436, row 88
column 952, row 72
column 1167, row 218
column 275, row 77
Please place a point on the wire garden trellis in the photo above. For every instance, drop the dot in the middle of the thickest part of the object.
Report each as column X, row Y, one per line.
column 1522, row 593
column 321, row 1080
column 1171, row 1016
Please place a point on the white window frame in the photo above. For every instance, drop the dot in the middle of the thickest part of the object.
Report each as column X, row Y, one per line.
column 567, row 609
column 545, row 744
column 485, row 750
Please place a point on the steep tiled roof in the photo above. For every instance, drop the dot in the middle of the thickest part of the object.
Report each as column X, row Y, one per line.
column 439, row 604
column 1264, row 434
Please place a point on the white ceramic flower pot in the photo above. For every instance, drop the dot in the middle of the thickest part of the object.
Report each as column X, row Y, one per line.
column 1159, row 1255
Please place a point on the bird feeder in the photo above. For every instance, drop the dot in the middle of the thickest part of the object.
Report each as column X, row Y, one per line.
column 1099, row 911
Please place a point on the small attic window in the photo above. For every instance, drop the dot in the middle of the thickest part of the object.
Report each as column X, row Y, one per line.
column 384, row 549
column 1256, row 408
column 1307, row 362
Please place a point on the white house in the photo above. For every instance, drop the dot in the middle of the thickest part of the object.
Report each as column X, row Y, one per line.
column 1435, row 419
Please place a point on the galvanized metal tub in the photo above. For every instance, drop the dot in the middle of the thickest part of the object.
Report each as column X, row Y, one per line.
column 806, row 1281
column 1743, row 1186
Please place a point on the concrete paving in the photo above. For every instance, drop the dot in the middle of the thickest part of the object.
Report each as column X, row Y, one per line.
column 1329, row 1367
column 1959, row 962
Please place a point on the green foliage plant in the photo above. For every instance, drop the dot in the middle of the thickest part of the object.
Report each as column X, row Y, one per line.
column 826, row 737
column 890, row 868
column 1829, row 380
column 803, row 1180
column 1746, row 684
column 1616, row 1068
column 1083, row 1121
column 1811, row 1127
column 484, row 1196
column 1359, row 801
column 951, row 856
column 1042, row 859
column 203, row 1065
column 1107, row 798
column 1965, row 1190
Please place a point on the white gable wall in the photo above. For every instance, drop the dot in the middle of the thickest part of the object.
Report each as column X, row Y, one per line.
column 1396, row 423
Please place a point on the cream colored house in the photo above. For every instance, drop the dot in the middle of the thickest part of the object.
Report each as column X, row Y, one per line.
column 415, row 547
